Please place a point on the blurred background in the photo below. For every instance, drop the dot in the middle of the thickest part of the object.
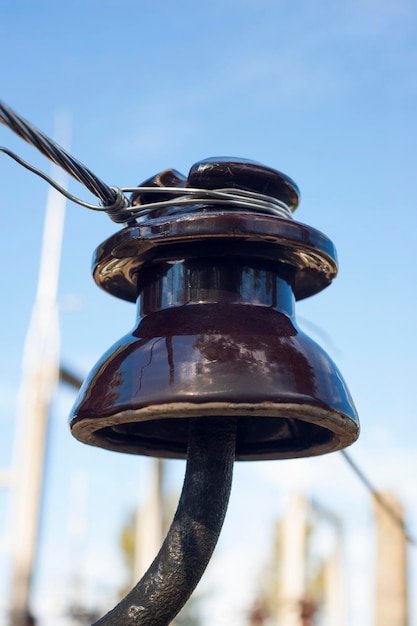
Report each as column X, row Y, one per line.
column 323, row 91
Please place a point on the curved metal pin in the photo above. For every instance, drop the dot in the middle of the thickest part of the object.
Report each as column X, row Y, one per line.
column 193, row 535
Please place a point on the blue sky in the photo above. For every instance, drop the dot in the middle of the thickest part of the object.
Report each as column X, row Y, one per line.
column 325, row 92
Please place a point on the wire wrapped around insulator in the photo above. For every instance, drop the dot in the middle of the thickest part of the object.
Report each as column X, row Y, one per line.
column 107, row 195
column 192, row 537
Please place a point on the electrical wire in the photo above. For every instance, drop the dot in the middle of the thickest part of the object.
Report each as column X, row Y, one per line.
column 51, row 182
column 378, row 497
column 189, row 196
column 113, row 200
column 122, row 212
column 57, row 155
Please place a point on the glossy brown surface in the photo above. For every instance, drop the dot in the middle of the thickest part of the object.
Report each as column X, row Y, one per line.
column 164, row 180
column 309, row 253
column 205, row 230
column 216, row 339
column 218, row 172
column 216, row 336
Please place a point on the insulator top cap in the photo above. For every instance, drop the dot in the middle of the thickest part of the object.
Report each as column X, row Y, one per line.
column 219, row 172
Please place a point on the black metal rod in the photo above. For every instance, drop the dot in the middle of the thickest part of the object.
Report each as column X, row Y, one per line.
column 192, row 537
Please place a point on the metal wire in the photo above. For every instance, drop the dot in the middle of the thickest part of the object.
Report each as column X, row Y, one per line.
column 113, row 201
column 121, row 211
column 57, row 155
column 54, row 184
column 379, row 498
column 189, row 196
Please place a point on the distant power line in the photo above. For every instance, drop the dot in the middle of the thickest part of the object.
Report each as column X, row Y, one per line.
column 378, row 497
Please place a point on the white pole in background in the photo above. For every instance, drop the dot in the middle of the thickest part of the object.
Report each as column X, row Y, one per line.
column 334, row 594
column 149, row 532
column 77, row 532
column 392, row 570
column 334, row 591
column 5, row 478
column 39, row 380
column 293, row 559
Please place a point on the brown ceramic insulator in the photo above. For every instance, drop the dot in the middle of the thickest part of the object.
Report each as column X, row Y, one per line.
column 164, row 180
column 218, row 173
column 216, row 333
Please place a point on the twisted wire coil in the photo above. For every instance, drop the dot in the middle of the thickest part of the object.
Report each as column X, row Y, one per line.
column 113, row 199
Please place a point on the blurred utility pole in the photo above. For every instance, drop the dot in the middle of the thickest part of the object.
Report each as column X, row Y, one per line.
column 293, row 544
column 77, row 531
column 39, row 379
column 5, row 478
column 391, row 583
column 334, row 596
column 333, row 601
column 149, row 531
